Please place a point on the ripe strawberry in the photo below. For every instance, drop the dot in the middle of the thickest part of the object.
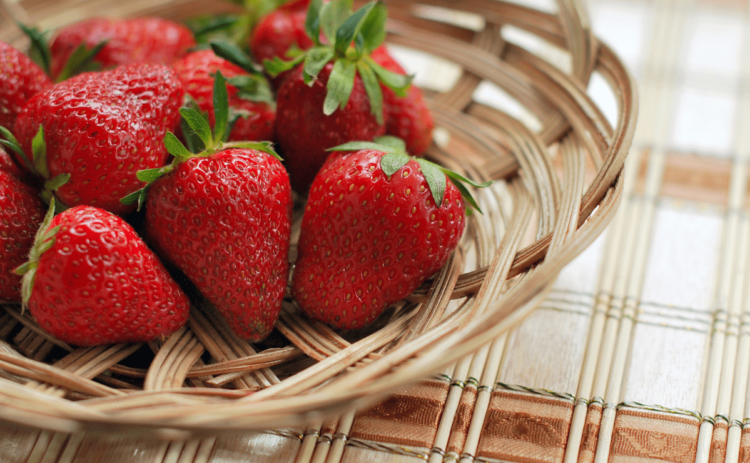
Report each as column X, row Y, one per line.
column 224, row 218
column 251, row 99
column 91, row 280
column 20, row 79
column 280, row 31
column 338, row 77
column 7, row 164
column 21, row 213
column 99, row 129
column 304, row 132
column 130, row 41
column 377, row 224
column 407, row 117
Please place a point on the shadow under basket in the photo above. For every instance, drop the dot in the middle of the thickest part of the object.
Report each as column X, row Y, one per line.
column 557, row 185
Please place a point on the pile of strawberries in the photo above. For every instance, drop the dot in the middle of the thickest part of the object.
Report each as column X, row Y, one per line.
column 122, row 122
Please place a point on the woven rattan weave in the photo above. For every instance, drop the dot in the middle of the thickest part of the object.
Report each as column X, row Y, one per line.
column 540, row 214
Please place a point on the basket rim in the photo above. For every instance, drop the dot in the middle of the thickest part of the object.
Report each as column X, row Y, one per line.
column 541, row 261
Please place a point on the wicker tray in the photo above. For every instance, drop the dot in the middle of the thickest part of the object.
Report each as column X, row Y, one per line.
column 538, row 217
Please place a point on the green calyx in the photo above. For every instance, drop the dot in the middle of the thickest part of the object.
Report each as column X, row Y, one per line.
column 395, row 158
column 197, row 128
column 351, row 38
column 81, row 60
column 43, row 241
column 38, row 163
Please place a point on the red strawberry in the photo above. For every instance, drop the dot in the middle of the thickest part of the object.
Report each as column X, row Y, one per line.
column 101, row 128
column 20, row 79
column 196, row 72
column 91, row 280
column 334, row 96
column 372, row 233
column 139, row 40
column 21, row 213
column 8, row 165
column 407, row 117
column 304, row 132
column 224, row 218
column 279, row 31
column 295, row 5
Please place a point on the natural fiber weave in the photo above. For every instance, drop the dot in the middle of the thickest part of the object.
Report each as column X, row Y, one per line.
column 536, row 219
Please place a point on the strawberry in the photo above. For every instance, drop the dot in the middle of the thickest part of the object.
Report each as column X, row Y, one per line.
column 91, row 280
column 304, row 132
column 7, row 164
column 21, row 213
column 223, row 217
column 334, row 95
column 279, row 32
column 377, row 224
column 407, row 117
column 129, row 41
column 250, row 99
column 89, row 135
column 20, row 79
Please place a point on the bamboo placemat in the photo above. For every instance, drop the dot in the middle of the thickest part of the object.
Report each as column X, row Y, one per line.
column 642, row 351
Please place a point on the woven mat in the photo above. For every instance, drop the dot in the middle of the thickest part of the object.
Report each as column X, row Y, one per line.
column 642, row 351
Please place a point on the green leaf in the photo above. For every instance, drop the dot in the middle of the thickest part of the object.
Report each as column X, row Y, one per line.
column 199, row 124
column 312, row 21
column 394, row 142
column 373, row 29
column 151, row 175
column 12, row 143
column 25, row 267
column 265, row 146
column 372, row 87
column 209, row 26
column 192, row 141
column 359, row 46
column 253, row 88
column 40, row 50
column 39, row 153
column 399, row 83
column 350, row 28
column 315, row 61
column 46, row 222
column 81, row 60
column 175, row 147
column 435, row 180
column 340, row 85
column 460, row 178
column 332, row 15
column 27, row 286
column 276, row 66
column 56, row 182
column 221, row 107
column 59, row 206
column 51, row 233
column 234, row 55
column 467, row 196
column 44, row 247
column 136, row 197
column 392, row 162
column 362, row 145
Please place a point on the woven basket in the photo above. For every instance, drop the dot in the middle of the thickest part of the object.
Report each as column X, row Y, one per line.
column 540, row 214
